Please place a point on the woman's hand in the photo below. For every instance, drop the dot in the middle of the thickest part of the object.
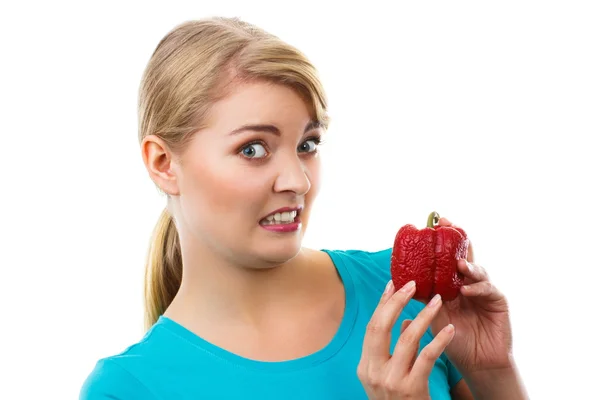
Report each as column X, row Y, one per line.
column 483, row 338
column 401, row 375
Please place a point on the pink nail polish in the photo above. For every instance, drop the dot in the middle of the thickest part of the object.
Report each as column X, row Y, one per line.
column 436, row 299
column 389, row 287
column 409, row 286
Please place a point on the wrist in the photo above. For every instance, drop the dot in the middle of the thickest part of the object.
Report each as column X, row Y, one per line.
column 498, row 383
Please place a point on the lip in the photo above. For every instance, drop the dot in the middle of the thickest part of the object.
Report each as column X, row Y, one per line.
column 284, row 228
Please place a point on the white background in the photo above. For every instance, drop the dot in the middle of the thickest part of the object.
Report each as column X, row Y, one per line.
column 487, row 112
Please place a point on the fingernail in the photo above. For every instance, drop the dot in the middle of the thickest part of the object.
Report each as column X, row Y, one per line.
column 388, row 287
column 409, row 286
column 449, row 328
column 435, row 300
column 466, row 263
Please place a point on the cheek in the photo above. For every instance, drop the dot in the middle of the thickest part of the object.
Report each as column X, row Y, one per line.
column 225, row 190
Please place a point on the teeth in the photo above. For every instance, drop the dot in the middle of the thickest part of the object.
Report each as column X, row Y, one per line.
column 285, row 217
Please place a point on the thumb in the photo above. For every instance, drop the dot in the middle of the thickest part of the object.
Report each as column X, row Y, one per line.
column 445, row 222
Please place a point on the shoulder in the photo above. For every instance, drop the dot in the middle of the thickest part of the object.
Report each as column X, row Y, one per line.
column 369, row 272
column 110, row 380
column 363, row 264
column 125, row 375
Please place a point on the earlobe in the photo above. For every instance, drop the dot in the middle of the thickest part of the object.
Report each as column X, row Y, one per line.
column 159, row 163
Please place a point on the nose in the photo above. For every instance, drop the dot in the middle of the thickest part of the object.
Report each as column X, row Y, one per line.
column 292, row 177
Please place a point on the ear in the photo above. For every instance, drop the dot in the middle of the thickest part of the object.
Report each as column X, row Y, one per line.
column 160, row 164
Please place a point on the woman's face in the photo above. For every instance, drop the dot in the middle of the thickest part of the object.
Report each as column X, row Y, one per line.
column 258, row 154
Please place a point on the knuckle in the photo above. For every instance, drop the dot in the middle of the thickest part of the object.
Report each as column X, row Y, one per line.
column 373, row 381
column 488, row 287
column 407, row 338
column 428, row 355
column 393, row 384
column 390, row 384
column 374, row 328
column 482, row 271
column 361, row 372
column 368, row 376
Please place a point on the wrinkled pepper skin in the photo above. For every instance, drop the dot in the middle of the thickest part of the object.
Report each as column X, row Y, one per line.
column 430, row 258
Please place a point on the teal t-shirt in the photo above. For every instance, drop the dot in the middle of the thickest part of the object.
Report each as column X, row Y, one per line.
column 170, row 362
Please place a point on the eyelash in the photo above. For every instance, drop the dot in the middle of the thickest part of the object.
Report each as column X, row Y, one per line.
column 317, row 139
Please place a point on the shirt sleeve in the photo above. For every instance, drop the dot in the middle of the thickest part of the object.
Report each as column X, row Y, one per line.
column 109, row 380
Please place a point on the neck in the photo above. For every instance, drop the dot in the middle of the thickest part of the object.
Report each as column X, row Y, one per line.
column 215, row 290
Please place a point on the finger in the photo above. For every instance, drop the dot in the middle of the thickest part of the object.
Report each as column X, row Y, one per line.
column 430, row 353
column 376, row 344
column 483, row 289
column 472, row 271
column 405, row 325
column 387, row 293
column 408, row 343
column 470, row 253
column 445, row 222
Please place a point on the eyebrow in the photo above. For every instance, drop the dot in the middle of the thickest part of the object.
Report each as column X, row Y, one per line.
column 273, row 129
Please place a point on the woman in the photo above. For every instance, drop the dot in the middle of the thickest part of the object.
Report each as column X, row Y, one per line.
column 231, row 119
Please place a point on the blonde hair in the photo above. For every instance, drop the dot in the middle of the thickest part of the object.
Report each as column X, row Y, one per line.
column 192, row 67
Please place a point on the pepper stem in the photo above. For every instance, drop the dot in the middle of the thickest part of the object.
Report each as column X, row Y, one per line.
column 433, row 219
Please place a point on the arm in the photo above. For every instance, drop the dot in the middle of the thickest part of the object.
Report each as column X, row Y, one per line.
column 109, row 380
column 492, row 385
column 461, row 391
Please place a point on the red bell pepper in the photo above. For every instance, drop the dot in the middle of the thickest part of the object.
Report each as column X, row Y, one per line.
column 429, row 257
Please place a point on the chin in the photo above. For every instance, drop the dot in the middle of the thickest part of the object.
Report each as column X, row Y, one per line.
column 272, row 252
column 281, row 254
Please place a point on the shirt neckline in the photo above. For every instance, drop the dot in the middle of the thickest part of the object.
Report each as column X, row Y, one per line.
column 331, row 349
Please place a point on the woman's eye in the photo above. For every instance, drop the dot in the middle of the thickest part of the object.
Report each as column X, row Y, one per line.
column 308, row 147
column 255, row 150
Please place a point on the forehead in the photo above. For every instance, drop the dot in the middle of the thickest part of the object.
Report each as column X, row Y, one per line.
column 259, row 102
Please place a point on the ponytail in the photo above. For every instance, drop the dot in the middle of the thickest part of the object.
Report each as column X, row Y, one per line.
column 164, row 268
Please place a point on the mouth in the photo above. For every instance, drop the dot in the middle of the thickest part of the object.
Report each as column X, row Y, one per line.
column 282, row 216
